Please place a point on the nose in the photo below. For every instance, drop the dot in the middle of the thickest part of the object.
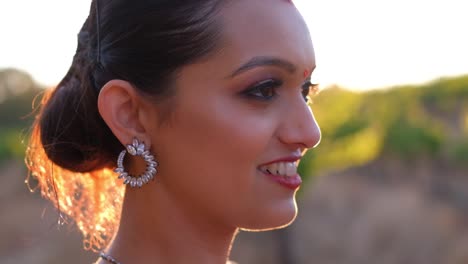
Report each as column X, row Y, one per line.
column 299, row 129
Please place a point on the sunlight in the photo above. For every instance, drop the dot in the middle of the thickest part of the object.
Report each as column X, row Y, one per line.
column 360, row 44
column 368, row 44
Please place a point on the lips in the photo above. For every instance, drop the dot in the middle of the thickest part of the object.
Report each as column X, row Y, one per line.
column 283, row 172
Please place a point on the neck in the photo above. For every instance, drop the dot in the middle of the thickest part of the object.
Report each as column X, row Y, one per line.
column 157, row 227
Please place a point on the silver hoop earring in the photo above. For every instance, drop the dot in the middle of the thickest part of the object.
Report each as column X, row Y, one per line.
column 137, row 148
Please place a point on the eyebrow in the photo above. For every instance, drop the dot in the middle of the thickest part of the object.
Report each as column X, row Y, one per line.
column 262, row 61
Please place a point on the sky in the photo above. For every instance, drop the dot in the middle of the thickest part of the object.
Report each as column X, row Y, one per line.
column 359, row 44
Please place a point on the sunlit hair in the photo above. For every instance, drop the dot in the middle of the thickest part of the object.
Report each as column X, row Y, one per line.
column 93, row 199
column 72, row 151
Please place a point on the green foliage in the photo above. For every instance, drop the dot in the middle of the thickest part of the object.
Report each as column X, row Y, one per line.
column 350, row 127
column 409, row 140
column 459, row 152
column 17, row 91
column 407, row 122
column 11, row 144
column 446, row 90
column 17, row 111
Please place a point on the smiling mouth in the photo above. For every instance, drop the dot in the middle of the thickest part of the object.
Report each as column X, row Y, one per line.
column 286, row 169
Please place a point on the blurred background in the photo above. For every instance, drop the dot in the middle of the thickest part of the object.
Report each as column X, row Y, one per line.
column 388, row 183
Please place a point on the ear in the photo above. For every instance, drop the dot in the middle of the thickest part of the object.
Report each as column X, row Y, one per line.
column 124, row 111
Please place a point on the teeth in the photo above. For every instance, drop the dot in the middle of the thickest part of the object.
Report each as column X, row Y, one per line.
column 280, row 168
column 273, row 168
column 291, row 169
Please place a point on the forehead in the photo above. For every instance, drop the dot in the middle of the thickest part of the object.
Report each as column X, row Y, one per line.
column 266, row 28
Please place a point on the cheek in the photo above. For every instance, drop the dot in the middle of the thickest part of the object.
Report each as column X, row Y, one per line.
column 213, row 148
column 225, row 133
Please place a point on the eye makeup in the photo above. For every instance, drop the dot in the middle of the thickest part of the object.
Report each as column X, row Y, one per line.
column 309, row 90
column 264, row 90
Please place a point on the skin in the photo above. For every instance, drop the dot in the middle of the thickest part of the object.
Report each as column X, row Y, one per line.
column 209, row 148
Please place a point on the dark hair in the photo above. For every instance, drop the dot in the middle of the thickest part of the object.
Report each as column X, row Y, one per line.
column 142, row 42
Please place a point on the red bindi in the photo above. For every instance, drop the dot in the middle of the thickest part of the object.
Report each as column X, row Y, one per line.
column 306, row 73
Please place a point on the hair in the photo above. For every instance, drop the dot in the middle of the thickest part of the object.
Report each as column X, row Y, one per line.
column 72, row 151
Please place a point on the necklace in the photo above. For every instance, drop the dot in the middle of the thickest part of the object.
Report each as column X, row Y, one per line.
column 108, row 258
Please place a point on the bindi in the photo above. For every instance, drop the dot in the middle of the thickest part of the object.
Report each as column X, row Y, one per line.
column 306, row 73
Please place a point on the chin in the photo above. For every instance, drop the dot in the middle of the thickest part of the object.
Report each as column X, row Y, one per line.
column 274, row 218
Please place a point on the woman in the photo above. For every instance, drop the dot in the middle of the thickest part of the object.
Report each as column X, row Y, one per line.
column 178, row 123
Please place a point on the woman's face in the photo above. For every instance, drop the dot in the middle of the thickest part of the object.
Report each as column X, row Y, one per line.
column 235, row 112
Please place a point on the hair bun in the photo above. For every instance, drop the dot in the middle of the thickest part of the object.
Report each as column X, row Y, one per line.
column 73, row 133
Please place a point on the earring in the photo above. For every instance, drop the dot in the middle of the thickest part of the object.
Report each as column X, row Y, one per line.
column 137, row 148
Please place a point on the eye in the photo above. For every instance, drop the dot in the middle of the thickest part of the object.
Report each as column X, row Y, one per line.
column 309, row 90
column 264, row 90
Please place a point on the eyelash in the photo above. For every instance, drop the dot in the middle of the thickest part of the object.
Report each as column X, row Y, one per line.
column 258, row 90
column 309, row 90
